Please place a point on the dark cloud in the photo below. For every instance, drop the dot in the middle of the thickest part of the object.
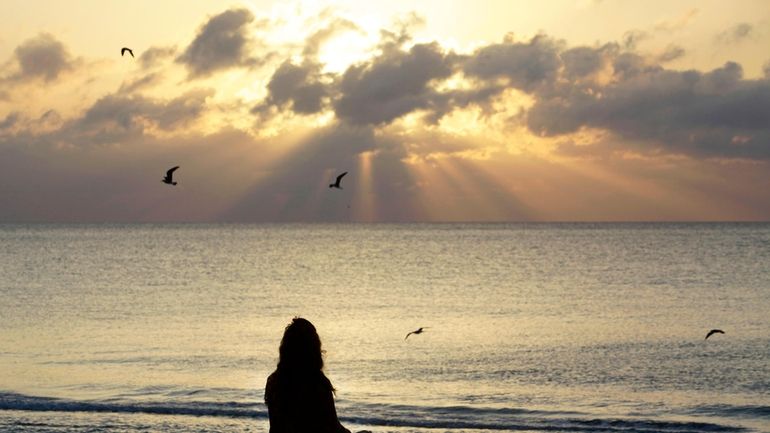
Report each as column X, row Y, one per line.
column 155, row 55
column 303, row 88
column 683, row 111
column 526, row 65
column 627, row 65
column 113, row 119
column 736, row 33
column 223, row 42
column 580, row 62
column 392, row 84
column 722, row 80
column 182, row 110
column 297, row 87
column 42, row 57
column 713, row 114
column 118, row 117
column 443, row 103
column 376, row 92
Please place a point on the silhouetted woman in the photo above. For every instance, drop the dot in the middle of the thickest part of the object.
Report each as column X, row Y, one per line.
column 298, row 395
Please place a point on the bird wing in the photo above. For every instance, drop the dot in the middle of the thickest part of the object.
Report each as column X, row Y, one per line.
column 170, row 171
column 714, row 331
column 407, row 335
column 339, row 178
column 123, row 51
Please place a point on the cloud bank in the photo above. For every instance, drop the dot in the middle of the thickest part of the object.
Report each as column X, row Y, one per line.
column 42, row 57
column 427, row 132
column 223, row 42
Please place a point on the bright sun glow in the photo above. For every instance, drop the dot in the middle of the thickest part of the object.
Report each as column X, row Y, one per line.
column 345, row 49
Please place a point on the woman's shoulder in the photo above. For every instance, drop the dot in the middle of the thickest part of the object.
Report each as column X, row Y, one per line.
column 277, row 378
column 325, row 380
column 272, row 386
column 273, row 379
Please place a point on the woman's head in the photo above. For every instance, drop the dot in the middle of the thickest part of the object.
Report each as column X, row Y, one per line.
column 300, row 347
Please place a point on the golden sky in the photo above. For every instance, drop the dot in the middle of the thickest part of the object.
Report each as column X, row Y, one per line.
column 570, row 110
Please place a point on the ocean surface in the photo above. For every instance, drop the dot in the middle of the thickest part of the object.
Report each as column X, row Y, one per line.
column 532, row 327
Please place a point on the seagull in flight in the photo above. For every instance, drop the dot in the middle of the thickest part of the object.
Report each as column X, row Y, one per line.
column 123, row 51
column 419, row 331
column 169, row 176
column 337, row 183
column 712, row 332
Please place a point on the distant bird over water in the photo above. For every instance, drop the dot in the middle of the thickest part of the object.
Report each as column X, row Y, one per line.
column 123, row 51
column 169, row 176
column 419, row 331
column 712, row 332
column 337, row 183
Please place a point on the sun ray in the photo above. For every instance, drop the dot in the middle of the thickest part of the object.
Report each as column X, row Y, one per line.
column 363, row 205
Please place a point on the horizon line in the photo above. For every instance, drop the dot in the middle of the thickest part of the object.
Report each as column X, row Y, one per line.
column 438, row 222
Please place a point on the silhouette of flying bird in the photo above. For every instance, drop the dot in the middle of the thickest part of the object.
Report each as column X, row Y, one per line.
column 712, row 332
column 337, row 183
column 169, row 176
column 419, row 331
column 123, row 51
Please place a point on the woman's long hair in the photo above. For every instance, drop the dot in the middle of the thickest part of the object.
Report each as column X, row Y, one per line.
column 300, row 350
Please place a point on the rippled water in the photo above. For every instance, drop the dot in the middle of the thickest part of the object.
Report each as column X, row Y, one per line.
column 533, row 327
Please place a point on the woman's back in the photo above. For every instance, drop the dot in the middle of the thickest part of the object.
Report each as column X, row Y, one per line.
column 299, row 397
column 301, row 404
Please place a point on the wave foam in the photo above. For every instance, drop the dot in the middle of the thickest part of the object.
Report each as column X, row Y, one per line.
column 381, row 415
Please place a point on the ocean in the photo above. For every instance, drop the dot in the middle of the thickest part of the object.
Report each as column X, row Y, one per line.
column 530, row 327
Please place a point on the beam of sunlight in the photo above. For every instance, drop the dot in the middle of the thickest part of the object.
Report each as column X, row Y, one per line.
column 455, row 190
column 363, row 205
column 261, row 161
